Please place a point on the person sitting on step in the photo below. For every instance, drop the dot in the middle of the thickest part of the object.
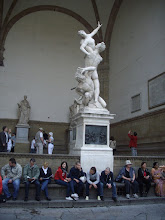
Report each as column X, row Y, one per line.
column 31, row 173
column 108, row 181
column 127, row 175
column 60, row 178
column 45, row 179
column 93, row 180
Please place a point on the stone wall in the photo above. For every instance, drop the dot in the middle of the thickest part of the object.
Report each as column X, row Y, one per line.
column 150, row 128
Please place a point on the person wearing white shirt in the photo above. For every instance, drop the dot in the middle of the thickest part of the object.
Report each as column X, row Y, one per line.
column 33, row 146
column 50, row 143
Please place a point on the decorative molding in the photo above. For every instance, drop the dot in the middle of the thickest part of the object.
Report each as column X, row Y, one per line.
column 12, row 21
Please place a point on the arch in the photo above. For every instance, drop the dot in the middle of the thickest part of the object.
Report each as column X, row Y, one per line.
column 27, row 11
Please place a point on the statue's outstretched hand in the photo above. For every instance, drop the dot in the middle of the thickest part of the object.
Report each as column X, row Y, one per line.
column 99, row 25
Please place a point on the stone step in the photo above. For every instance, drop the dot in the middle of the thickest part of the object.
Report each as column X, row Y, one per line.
column 82, row 203
column 59, row 192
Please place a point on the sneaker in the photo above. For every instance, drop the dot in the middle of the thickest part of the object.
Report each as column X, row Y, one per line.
column 69, row 198
column 98, row 198
column 128, row 196
column 87, row 198
column 114, row 199
column 74, row 195
column 135, row 196
column 102, row 198
column 47, row 198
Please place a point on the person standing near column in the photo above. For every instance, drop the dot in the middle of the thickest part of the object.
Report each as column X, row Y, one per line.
column 39, row 141
column 133, row 142
column 50, row 143
column 3, row 139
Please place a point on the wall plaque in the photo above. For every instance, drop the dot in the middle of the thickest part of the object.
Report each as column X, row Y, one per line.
column 95, row 134
column 156, row 91
column 136, row 103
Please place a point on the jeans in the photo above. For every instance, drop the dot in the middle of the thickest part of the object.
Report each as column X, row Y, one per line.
column 114, row 193
column 99, row 189
column 79, row 187
column 147, row 182
column 134, row 151
column 27, row 184
column 44, row 186
column 69, row 186
column 128, row 185
column 16, row 184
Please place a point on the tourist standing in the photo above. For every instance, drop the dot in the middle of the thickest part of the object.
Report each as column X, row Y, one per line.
column 3, row 139
column 45, row 179
column 11, row 173
column 13, row 140
column 112, row 144
column 127, row 175
column 61, row 178
column 9, row 143
column 31, row 173
column 33, row 145
column 133, row 142
column 108, row 181
column 159, row 180
column 93, row 180
column 50, row 143
column 144, row 178
column 39, row 141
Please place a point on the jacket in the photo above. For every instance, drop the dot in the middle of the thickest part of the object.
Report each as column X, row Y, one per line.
column 59, row 175
column 141, row 174
column 31, row 172
column 12, row 172
column 95, row 178
column 0, row 185
column 43, row 175
column 75, row 173
column 2, row 138
column 122, row 173
column 133, row 140
column 106, row 178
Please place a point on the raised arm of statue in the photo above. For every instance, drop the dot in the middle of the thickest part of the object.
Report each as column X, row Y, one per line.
column 96, row 30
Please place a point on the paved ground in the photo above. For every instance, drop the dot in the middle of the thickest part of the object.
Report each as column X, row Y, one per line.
column 131, row 212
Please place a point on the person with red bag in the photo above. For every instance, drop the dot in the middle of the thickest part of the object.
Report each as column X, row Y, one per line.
column 133, row 142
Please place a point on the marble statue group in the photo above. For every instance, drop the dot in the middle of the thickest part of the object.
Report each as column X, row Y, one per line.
column 88, row 86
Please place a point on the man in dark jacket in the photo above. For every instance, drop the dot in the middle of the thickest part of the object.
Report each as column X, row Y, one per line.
column 108, row 181
column 3, row 139
column 75, row 173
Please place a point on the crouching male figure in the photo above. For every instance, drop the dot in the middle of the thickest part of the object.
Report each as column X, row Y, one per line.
column 108, row 181
column 11, row 173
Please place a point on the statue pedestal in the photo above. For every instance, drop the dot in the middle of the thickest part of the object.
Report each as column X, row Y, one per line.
column 22, row 133
column 89, row 138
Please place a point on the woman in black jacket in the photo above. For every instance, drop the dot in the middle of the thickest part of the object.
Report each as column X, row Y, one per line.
column 45, row 178
column 144, row 178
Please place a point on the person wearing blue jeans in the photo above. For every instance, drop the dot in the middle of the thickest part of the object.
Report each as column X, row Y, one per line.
column 69, row 186
column 93, row 180
column 45, row 179
column 108, row 181
column 11, row 173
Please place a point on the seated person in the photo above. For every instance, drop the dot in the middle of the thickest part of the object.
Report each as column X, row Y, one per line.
column 31, row 173
column 144, row 178
column 75, row 173
column 11, row 173
column 45, row 178
column 159, row 180
column 93, row 180
column 127, row 175
column 108, row 181
column 60, row 178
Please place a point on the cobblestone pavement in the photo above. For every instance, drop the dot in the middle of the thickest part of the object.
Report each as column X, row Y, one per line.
column 132, row 212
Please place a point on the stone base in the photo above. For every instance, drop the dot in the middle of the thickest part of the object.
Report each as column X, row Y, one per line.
column 22, row 133
column 22, row 148
column 100, row 158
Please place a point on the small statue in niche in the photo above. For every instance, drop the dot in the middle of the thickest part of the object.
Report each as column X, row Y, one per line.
column 23, row 111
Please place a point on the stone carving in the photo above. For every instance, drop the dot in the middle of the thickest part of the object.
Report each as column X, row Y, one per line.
column 23, row 111
column 88, row 86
